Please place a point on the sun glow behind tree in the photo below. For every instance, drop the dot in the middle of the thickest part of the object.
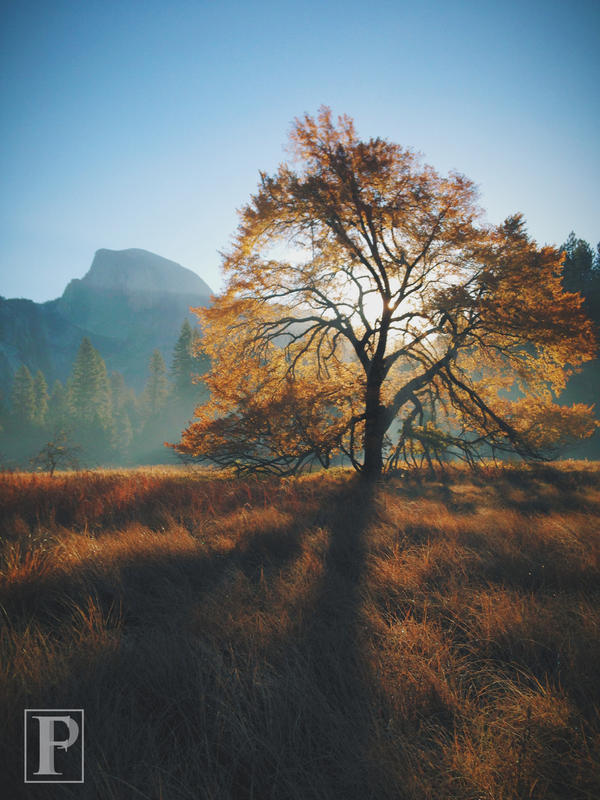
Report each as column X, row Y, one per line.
column 391, row 263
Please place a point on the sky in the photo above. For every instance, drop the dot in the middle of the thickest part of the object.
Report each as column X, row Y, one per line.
column 144, row 123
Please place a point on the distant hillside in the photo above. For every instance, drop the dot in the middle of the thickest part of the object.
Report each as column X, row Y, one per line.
column 128, row 303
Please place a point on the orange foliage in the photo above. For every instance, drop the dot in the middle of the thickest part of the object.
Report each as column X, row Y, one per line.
column 363, row 290
column 263, row 416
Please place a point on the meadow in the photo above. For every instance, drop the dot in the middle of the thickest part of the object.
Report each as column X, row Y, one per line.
column 307, row 638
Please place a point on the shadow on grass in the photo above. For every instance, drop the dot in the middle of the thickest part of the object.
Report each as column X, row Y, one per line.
column 146, row 585
column 99, row 502
column 333, row 643
column 171, row 714
column 251, row 673
column 534, row 489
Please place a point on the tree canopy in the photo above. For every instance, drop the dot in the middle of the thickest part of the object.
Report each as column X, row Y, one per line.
column 370, row 311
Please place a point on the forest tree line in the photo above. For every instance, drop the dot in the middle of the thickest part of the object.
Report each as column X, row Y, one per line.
column 94, row 417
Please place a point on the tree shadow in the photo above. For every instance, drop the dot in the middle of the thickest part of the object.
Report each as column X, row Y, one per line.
column 537, row 489
column 275, row 716
column 147, row 584
column 155, row 666
column 333, row 644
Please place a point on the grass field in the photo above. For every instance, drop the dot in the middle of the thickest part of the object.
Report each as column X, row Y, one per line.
column 307, row 638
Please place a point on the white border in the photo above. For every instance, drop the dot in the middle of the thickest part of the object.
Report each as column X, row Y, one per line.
column 63, row 710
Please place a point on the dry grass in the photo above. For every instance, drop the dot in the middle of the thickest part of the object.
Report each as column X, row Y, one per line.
column 308, row 638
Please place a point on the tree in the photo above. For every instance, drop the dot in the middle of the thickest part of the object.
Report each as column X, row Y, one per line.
column 364, row 257
column 40, row 390
column 122, row 434
column 91, row 403
column 184, row 365
column 3, row 413
column 90, row 393
column 123, row 410
column 58, row 452
column 578, row 264
column 188, row 363
column 58, row 407
column 156, row 390
column 23, row 399
column 581, row 273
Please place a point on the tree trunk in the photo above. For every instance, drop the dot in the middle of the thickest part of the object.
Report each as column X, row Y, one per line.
column 374, row 431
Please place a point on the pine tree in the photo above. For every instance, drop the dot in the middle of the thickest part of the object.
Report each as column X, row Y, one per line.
column 156, row 391
column 90, row 394
column 91, row 406
column 122, row 434
column 119, row 391
column 123, row 410
column 40, row 389
column 58, row 414
column 184, row 364
column 3, row 413
column 23, row 405
column 123, row 397
column 581, row 273
column 578, row 264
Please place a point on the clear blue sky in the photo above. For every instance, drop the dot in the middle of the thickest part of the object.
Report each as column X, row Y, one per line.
column 144, row 123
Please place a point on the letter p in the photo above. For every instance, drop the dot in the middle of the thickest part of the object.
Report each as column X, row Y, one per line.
column 57, row 732
column 48, row 742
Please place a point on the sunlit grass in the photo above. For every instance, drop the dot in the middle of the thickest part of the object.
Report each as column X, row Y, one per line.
column 308, row 638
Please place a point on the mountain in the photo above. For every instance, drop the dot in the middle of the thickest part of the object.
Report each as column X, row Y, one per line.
column 139, row 271
column 129, row 303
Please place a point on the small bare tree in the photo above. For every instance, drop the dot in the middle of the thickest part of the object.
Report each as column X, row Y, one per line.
column 58, row 453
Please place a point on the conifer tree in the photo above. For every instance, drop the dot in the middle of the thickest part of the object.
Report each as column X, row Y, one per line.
column 123, row 411
column 58, row 407
column 581, row 273
column 578, row 264
column 156, row 391
column 3, row 412
column 120, row 393
column 123, row 397
column 90, row 394
column 122, row 433
column 184, row 363
column 90, row 403
column 23, row 405
column 40, row 389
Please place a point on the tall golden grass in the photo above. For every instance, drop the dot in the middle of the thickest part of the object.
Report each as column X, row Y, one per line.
column 310, row 637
